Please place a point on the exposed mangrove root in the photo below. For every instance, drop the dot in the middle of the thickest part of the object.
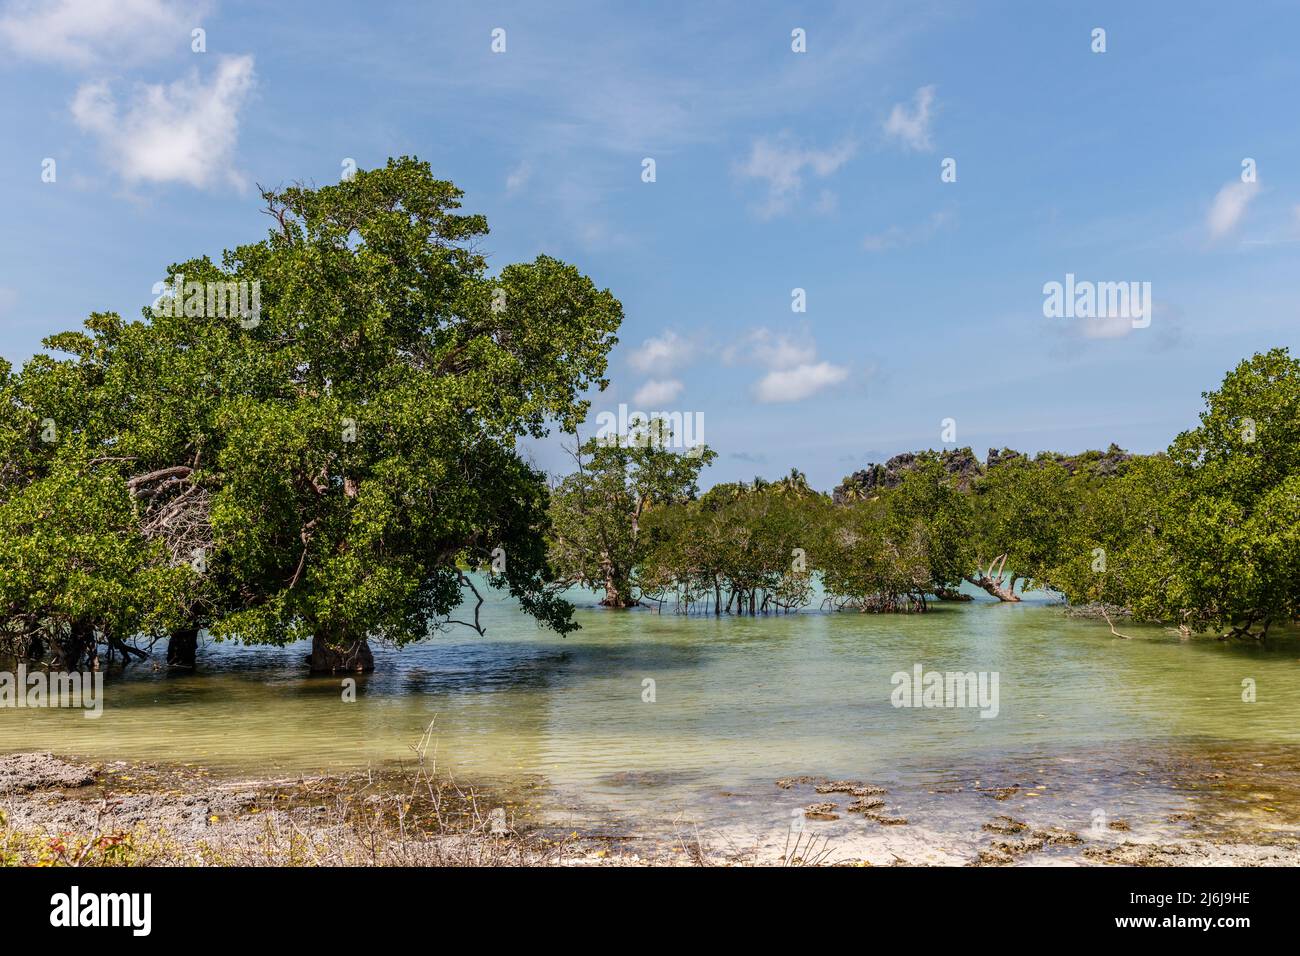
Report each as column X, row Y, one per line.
column 878, row 603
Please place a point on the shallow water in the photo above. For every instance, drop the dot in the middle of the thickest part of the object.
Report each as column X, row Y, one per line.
column 1096, row 720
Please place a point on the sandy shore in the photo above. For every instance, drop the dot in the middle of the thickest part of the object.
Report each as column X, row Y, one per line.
column 67, row 811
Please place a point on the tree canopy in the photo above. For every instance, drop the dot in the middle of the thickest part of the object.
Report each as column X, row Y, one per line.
column 328, row 456
column 1205, row 535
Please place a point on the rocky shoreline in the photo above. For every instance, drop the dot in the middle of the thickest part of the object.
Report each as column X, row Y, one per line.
column 57, row 811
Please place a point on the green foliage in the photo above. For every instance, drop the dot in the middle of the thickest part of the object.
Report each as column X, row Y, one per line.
column 739, row 546
column 597, row 512
column 73, row 559
column 1207, row 537
column 872, row 560
column 929, row 510
column 336, row 457
column 1022, row 508
column 340, row 457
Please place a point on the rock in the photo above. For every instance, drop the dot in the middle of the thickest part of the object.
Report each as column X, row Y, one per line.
column 852, row 787
column 993, row 857
column 820, row 811
column 787, row 782
column 875, row 478
column 1002, row 793
column 34, row 771
column 1005, row 824
column 865, row 805
column 1055, row 836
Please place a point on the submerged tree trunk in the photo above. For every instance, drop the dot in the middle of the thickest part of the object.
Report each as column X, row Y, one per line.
column 182, row 647
column 340, row 656
column 74, row 650
column 618, row 590
column 951, row 594
column 612, row 597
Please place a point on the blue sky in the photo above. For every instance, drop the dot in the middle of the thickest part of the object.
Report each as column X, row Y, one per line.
column 774, row 171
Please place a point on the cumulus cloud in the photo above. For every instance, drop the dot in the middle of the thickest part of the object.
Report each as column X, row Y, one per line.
column 911, row 127
column 657, row 392
column 81, row 33
column 793, row 371
column 782, row 166
column 774, row 349
column 662, row 353
column 183, row 132
column 794, row 384
column 1228, row 208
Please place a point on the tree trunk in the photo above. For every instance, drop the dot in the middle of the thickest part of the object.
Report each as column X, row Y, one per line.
column 612, row 597
column 951, row 594
column 182, row 647
column 618, row 592
column 340, row 656
column 75, row 650
column 995, row 587
column 26, row 647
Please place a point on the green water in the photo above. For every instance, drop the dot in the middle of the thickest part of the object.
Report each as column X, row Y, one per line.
column 738, row 703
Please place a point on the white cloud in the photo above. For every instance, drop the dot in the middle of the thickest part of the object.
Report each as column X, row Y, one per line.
column 782, row 165
column 912, row 127
column 1105, row 327
column 792, row 385
column 663, row 353
column 793, row 372
column 519, row 176
column 773, row 349
column 1228, row 208
column 896, row 237
column 657, row 392
column 79, row 33
column 183, row 132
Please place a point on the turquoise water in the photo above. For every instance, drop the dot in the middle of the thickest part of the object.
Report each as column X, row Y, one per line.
column 738, row 703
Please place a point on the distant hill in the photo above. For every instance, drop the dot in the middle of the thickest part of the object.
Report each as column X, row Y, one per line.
column 962, row 463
